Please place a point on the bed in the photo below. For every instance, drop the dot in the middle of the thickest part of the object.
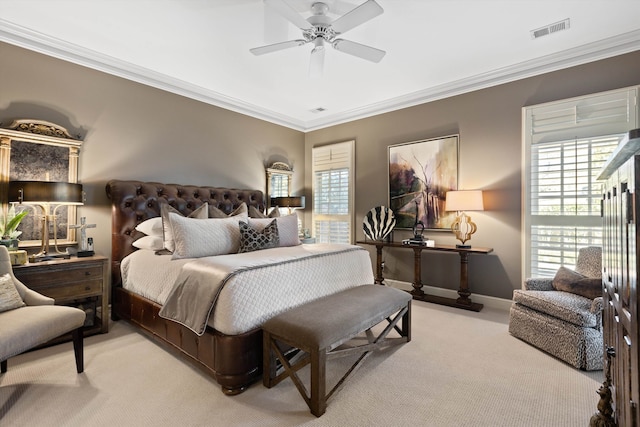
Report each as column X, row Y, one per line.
column 227, row 342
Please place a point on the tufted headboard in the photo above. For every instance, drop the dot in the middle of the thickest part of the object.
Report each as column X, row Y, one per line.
column 135, row 201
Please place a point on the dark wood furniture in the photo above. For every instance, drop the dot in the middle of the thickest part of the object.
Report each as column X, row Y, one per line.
column 78, row 282
column 235, row 361
column 319, row 337
column 620, row 269
column 463, row 301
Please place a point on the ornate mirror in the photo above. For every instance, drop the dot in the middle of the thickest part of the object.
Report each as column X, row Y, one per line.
column 279, row 176
column 35, row 150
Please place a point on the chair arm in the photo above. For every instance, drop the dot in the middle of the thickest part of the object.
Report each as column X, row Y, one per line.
column 596, row 308
column 538, row 284
column 31, row 297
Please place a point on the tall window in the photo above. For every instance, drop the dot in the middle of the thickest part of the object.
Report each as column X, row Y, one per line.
column 333, row 170
column 566, row 143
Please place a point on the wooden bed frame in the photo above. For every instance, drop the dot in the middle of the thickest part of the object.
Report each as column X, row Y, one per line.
column 235, row 361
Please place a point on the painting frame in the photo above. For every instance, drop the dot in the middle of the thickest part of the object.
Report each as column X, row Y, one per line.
column 419, row 175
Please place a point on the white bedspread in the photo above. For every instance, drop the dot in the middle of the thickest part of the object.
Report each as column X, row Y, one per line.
column 256, row 285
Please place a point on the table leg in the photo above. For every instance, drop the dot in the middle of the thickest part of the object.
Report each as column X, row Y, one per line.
column 464, row 280
column 417, row 272
column 379, row 279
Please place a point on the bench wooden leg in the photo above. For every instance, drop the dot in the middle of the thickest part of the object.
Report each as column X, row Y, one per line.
column 318, row 401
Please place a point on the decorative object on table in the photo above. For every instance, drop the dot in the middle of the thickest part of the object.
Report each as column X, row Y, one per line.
column 378, row 223
column 9, row 224
column 464, row 200
column 44, row 194
column 422, row 172
column 86, row 247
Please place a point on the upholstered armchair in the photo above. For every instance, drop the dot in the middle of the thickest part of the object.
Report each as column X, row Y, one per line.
column 28, row 319
column 563, row 315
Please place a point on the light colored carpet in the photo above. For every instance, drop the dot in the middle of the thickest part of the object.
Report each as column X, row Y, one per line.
column 460, row 369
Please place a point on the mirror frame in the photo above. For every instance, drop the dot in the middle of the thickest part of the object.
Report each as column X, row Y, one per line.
column 278, row 169
column 42, row 133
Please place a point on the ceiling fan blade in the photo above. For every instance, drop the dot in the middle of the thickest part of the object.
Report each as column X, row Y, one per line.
column 276, row 47
column 317, row 61
column 360, row 50
column 289, row 13
column 361, row 14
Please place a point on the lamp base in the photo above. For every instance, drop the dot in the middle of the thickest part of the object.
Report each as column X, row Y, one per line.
column 82, row 254
column 48, row 257
column 463, row 246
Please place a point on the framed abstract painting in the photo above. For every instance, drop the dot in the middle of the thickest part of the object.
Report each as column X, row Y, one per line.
column 420, row 174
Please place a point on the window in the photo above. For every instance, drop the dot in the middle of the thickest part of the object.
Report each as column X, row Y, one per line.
column 333, row 170
column 566, row 143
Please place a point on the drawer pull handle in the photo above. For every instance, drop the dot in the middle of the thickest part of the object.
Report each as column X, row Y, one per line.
column 87, row 288
column 87, row 273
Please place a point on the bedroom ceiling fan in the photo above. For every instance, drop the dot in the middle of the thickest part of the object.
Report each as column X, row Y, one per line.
column 321, row 30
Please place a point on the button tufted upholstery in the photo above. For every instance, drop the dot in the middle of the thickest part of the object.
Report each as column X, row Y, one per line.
column 137, row 201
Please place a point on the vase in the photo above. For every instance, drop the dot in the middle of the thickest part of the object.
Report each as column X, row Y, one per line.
column 11, row 244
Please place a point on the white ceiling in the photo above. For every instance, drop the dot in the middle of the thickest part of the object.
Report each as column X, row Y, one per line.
column 435, row 49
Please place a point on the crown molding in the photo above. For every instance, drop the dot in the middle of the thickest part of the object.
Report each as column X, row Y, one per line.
column 38, row 42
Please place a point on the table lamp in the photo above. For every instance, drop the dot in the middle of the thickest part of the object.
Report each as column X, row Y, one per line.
column 464, row 200
column 45, row 194
column 290, row 202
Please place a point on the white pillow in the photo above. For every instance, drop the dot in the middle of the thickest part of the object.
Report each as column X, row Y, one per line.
column 195, row 238
column 154, row 243
column 151, row 227
column 202, row 212
column 287, row 228
column 9, row 296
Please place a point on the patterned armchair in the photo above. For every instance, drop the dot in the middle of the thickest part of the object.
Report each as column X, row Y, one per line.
column 563, row 324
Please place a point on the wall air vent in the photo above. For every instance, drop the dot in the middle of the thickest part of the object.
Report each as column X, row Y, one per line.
column 550, row 29
column 318, row 110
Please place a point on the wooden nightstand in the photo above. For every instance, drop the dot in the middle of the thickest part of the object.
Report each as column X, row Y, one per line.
column 78, row 282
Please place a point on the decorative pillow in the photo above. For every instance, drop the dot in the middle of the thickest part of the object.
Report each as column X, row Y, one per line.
column 9, row 296
column 287, row 228
column 195, row 238
column 154, row 243
column 201, row 213
column 568, row 280
column 151, row 227
column 254, row 240
column 255, row 213
column 218, row 213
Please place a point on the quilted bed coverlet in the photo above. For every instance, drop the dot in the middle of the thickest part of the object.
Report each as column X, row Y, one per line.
column 242, row 291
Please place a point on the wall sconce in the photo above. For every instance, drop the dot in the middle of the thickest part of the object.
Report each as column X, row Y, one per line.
column 44, row 194
column 465, row 200
column 291, row 202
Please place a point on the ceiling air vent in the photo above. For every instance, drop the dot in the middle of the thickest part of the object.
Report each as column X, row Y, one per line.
column 318, row 110
column 550, row 29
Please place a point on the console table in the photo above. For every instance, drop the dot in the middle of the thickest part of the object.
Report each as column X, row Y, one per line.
column 463, row 301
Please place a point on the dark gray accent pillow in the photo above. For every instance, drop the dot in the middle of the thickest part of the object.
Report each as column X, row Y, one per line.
column 254, row 240
column 568, row 280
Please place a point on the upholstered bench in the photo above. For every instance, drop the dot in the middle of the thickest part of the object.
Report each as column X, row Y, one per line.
column 314, row 332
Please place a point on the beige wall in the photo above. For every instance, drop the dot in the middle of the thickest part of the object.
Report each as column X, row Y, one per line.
column 489, row 124
column 132, row 131
column 136, row 132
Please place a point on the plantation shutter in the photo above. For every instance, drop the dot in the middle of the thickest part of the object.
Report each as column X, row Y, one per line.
column 566, row 144
column 332, row 215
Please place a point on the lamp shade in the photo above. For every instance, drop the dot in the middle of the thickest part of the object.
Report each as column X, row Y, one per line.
column 288, row 202
column 42, row 192
column 464, row 200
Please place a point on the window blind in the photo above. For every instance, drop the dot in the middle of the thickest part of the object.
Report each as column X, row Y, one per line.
column 332, row 215
column 566, row 143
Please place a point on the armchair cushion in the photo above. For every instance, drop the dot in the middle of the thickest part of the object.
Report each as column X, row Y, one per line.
column 570, row 307
column 9, row 296
column 571, row 281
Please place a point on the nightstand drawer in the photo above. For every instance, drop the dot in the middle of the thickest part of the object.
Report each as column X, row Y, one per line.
column 49, row 277
column 72, row 291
